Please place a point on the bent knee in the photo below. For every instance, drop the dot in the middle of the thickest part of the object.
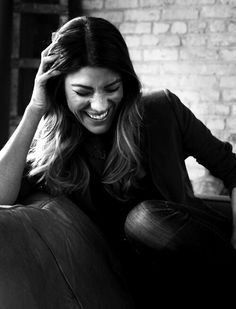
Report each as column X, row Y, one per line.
column 155, row 224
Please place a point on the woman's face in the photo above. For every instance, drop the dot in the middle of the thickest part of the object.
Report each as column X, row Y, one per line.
column 93, row 95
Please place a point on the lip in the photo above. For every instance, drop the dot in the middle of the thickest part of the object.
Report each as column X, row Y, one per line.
column 98, row 120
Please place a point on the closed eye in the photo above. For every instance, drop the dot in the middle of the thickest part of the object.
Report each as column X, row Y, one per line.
column 110, row 90
column 82, row 94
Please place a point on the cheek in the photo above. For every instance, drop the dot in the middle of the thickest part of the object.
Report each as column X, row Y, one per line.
column 118, row 96
column 75, row 104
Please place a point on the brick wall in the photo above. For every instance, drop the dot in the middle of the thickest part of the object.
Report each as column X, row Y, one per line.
column 187, row 46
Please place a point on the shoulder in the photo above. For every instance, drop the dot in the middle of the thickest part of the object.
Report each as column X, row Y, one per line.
column 162, row 103
column 160, row 99
column 155, row 97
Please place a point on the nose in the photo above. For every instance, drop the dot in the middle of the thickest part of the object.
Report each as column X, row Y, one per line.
column 99, row 103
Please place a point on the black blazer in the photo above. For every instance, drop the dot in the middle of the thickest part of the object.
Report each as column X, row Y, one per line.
column 173, row 133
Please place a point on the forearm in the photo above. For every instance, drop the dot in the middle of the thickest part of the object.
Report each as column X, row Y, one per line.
column 13, row 155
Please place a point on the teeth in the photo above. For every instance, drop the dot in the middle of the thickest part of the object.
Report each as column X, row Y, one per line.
column 98, row 117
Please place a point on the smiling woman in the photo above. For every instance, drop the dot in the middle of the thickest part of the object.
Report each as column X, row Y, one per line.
column 93, row 96
column 92, row 85
column 88, row 133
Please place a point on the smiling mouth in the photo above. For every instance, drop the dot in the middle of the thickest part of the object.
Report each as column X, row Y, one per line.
column 100, row 117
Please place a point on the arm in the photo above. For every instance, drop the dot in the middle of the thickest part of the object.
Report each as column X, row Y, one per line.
column 13, row 154
column 217, row 156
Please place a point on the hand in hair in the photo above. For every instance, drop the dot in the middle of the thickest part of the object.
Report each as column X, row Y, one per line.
column 40, row 99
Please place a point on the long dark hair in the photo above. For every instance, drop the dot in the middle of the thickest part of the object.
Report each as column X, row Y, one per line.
column 54, row 156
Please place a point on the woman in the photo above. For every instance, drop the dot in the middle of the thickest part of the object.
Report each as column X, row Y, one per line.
column 119, row 155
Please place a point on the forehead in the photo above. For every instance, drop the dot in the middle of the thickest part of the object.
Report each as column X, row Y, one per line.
column 93, row 76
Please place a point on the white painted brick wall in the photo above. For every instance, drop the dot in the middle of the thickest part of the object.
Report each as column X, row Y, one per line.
column 188, row 46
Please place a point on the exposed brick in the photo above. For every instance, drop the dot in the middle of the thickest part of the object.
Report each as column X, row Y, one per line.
column 92, row 4
column 179, row 27
column 228, row 55
column 115, row 17
column 194, row 2
column 217, row 11
column 233, row 109
column 197, row 26
column 231, row 122
column 202, row 68
column 159, row 82
column 215, row 123
column 199, row 53
column 177, row 68
column 228, row 81
column 229, row 2
column 222, row 39
column 176, row 13
column 142, row 15
column 194, row 40
column 212, row 95
column 135, row 54
column 136, row 28
column 229, row 95
column 160, row 28
column 160, row 54
column 118, row 4
column 217, row 26
column 154, row 3
column 199, row 109
column 232, row 27
column 211, row 109
column 149, row 40
column 218, row 109
column 148, row 68
column 219, row 68
column 132, row 40
column 169, row 41
column 197, row 82
column 221, row 109
column 224, row 135
column 189, row 97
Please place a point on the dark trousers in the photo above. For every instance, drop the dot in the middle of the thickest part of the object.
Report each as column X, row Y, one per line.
column 182, row 252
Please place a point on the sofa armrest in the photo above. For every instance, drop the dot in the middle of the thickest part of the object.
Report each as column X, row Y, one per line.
column 218, row 203
column 213, row 198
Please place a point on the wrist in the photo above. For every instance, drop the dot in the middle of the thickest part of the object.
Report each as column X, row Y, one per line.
column 34, row 111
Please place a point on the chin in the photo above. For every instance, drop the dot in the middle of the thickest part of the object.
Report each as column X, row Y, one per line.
column 98, row 130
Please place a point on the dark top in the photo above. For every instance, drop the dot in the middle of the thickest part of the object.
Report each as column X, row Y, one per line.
column 107, row 211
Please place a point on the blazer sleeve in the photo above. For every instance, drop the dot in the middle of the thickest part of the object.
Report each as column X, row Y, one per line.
column 215, row 155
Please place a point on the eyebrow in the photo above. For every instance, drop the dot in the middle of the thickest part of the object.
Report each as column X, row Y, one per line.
column 89, row 88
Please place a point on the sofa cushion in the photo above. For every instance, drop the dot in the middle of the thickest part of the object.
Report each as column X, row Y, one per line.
column 53, row 256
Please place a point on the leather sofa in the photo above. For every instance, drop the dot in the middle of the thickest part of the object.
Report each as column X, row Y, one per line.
column 47, row 253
